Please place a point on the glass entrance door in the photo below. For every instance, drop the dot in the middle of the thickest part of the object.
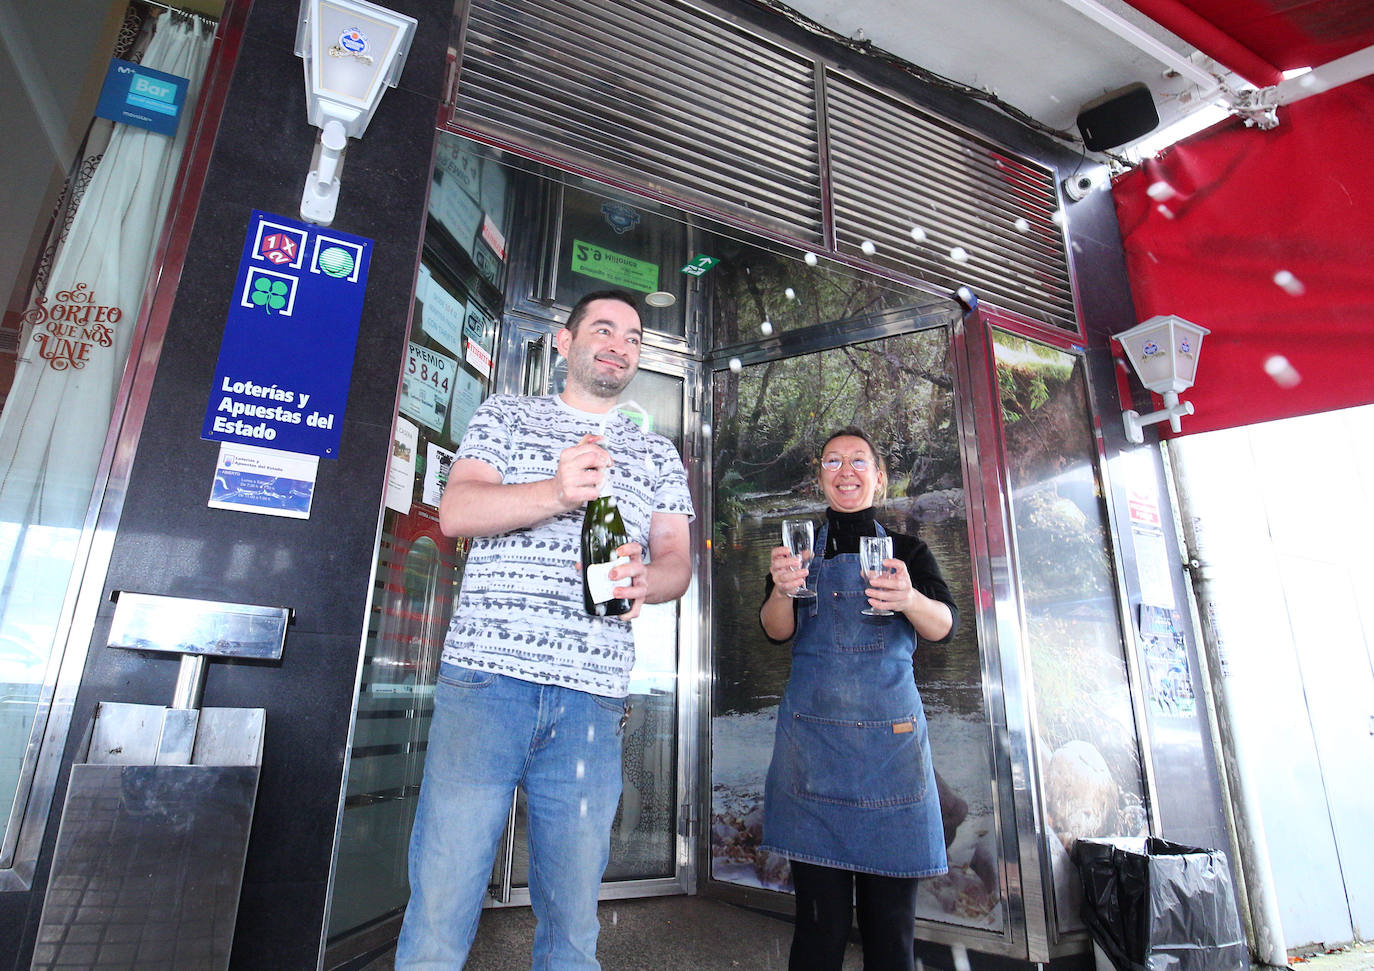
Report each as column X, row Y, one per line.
column 646, row 856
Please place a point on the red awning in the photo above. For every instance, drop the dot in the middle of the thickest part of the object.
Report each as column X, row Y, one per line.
column 1286, row 34
column 1267, row 237
column 1210, row 226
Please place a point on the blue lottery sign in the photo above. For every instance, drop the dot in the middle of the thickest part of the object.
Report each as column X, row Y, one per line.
column 287, row 354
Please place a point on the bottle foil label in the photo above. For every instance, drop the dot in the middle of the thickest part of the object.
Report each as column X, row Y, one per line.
column 599, row 581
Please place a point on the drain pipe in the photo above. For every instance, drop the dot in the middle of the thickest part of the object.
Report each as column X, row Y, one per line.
column 1259, row 901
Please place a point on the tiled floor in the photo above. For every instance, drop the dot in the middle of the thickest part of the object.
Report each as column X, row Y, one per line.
column 654, row 934
column 700, row 934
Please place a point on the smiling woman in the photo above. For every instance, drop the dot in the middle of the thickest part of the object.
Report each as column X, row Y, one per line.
column 852, row 472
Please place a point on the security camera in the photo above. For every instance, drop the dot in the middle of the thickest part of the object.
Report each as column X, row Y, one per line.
column 1078, row 186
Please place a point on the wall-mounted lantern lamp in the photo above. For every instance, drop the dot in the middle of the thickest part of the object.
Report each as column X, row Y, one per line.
column 1164, row 352
column 352, row 49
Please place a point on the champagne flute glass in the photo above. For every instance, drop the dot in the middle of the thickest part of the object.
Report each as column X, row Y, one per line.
column 872, row 551
column 799, row 536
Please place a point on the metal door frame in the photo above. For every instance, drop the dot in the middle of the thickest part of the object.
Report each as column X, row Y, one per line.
column 523, row 329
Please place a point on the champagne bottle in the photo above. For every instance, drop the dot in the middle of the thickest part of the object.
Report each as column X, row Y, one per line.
column 603, row 532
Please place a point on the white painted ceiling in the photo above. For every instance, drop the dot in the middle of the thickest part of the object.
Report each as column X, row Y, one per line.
column 1043, row 57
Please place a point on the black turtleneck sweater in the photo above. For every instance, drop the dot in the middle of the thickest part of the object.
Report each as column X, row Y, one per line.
column 843, row 537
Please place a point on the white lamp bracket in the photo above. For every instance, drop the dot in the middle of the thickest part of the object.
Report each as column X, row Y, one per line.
column 1173, row 411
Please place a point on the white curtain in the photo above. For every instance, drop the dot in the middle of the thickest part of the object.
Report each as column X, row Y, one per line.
column 55, row 420
column 56, row 417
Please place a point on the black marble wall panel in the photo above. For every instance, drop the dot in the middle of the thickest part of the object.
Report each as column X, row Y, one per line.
column 170, row 542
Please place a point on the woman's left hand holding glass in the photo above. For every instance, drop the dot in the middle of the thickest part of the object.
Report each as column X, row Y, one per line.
column 891, row 590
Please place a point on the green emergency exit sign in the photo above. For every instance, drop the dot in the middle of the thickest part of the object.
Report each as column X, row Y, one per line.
column 615, row 268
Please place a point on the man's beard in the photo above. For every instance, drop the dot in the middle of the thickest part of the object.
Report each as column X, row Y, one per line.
column 590, row 377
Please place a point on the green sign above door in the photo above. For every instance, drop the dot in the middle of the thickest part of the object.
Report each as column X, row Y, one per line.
column 615, row 268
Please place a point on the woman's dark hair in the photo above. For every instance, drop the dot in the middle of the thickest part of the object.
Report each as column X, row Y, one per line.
column 855, row 432
column 579, row 309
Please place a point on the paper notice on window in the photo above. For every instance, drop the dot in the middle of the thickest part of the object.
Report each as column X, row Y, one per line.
column 264, row 481
column 400, row 473
column 442, row 313
column 467, row 395
column 1154, row 568
column 427, row 386
column 438, row 461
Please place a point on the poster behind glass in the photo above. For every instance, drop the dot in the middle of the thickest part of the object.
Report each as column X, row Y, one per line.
column 1085, row 724
column 446, row 374
column 770, row 421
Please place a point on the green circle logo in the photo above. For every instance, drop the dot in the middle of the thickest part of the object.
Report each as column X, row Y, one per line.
column 336, row 261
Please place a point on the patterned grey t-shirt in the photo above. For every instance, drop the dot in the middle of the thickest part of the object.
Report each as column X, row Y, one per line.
column 520, row 611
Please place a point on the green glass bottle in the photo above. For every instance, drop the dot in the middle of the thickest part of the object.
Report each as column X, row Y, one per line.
column 603, row 532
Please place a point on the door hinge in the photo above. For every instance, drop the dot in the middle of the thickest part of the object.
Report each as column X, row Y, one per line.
column 686, row 821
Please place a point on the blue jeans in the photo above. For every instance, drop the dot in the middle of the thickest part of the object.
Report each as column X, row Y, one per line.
column 489, row 734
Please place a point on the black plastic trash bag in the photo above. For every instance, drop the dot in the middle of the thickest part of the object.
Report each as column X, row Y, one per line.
column 1153, row 905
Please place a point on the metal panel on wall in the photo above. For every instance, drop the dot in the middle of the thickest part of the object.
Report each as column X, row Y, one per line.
column 654, row 88
column 944, row 205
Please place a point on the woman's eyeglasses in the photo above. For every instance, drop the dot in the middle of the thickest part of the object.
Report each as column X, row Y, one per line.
column 832, row 463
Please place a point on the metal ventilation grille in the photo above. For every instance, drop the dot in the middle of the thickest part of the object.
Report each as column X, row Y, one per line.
column 654, row 89
column 917, row 188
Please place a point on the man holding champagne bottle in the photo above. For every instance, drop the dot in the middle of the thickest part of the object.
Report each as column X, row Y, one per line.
column 532, row 684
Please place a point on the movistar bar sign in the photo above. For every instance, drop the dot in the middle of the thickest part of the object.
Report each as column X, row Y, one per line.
column 138, row 95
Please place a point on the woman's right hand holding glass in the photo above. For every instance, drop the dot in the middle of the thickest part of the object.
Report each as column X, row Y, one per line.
column 788, row 571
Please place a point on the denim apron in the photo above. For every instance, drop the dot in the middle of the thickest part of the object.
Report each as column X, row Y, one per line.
column 851, row 783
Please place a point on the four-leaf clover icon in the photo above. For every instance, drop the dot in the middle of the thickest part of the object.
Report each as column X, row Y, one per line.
column 269, row 293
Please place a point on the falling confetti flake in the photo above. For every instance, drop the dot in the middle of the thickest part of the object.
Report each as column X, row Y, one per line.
column 918, row 234
column 810, row 259
column 790, row 294
column 960, row 955
column 1165, row 211
column 958, row 254
column 766, row 327
column 868, row 247
column 1021, row 224
column 1160, row 191
column 1290, row 284
column 1284, row 374
column 736, row 365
